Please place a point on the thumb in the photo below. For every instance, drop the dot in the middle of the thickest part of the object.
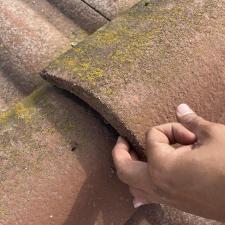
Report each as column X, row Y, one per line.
column 190, row 119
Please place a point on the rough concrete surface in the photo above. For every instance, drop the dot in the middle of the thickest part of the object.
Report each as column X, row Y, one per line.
column 138, row 68
column 33, row 33
column 56, row 168
column 55, row 154
column 164, row 215
column 87, row 18
column 111, row 8
column 42, row 181
column 28, row 42
column 56, row 165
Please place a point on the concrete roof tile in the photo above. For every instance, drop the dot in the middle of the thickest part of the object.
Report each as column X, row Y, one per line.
column 49, row 183
column 41, row 180
column 135, row 70
column 111, row 8
column 56, row 165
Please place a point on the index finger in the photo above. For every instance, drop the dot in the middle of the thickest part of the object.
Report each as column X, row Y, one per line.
column 120, row 152
column 129, row 170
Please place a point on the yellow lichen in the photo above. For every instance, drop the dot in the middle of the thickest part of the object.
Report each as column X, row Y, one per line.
column 2, row 212
column 107, row 38
column 95, row 74
column 85, row 66
column 107, row 91
column 5, row 116
column 24, row 112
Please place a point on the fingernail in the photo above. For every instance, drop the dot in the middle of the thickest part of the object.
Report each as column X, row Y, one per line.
column 184, row 109
column 137, row 203
column 119, row 138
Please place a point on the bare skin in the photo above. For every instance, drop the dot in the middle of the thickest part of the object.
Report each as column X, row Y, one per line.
column 190, row 177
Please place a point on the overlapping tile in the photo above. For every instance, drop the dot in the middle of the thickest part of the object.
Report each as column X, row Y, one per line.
column 56, row 165
column 138, row 68
column 42, row 180
column 110, row 8
column 164, row 215
column 84, row 16
column 32, row 34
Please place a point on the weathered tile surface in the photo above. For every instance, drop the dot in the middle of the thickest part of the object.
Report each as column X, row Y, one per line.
column 41, row 180
column 84, row 16
column 33, row 33
column 56, row 166
column 138, row 68
column 164, row 215
column 110, row 8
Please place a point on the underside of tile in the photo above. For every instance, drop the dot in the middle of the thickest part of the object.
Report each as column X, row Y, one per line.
column 136, row 69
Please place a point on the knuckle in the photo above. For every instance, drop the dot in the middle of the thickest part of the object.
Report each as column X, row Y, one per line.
column 208, row 128
column 190, row 120
column 150, row 133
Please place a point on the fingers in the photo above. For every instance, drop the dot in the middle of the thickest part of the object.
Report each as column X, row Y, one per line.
column 120, row 152
column 132, row 172
column 191, row 120
column 172, row 133
column 160, row 137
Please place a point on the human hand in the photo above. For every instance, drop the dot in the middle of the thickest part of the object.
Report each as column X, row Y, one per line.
column 190, row 177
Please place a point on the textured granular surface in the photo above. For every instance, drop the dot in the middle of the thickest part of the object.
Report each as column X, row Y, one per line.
column 137, row 69
column 55, row 151
column 56, row 166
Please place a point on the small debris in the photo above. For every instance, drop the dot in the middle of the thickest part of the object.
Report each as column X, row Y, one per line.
column 73, row 44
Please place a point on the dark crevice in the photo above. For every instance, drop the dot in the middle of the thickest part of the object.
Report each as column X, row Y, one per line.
column 96, row 10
